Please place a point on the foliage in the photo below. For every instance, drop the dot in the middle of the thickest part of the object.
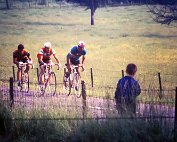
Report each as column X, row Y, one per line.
column 122, row 130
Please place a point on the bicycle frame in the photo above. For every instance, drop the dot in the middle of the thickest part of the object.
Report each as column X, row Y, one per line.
column 48, row 73
column 73, row 82
column 24, row 83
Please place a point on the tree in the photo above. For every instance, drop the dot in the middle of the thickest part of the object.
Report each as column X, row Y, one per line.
column 93, row 4
column 164, row 11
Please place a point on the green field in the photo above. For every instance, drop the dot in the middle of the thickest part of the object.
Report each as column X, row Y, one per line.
column 120, row 35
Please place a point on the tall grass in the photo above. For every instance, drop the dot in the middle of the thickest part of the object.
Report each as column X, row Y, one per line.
column 42, row 126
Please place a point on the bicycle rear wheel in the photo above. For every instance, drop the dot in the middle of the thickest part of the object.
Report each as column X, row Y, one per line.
column 52, row 84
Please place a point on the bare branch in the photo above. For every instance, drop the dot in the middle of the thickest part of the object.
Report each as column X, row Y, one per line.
column 165, row 12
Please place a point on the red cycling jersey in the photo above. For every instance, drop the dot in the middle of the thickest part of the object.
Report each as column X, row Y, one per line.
column 21, row 55
column 46, row 56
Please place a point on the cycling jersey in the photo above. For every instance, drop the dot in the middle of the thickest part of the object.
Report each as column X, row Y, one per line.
column 21, row 55
column 76, row 54
column 46, row 55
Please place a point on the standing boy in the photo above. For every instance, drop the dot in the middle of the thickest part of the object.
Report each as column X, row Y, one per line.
column 127, row 90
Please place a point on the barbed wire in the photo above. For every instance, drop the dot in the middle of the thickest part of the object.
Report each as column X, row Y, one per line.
column 87, row 118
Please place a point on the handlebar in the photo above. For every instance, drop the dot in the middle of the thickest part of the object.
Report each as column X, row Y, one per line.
column 76, row 66
column 52, row 64
column 21, row 64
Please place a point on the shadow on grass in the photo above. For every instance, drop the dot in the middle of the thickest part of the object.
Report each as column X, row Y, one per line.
column 47, row 24
column 158, row 36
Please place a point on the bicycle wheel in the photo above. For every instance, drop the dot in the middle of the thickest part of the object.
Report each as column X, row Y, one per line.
column 77, row 86
column 67, row 85
column 52, row 84
column 25, row 83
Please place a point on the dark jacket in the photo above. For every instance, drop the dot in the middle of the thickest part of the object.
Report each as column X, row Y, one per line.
column 127, row 90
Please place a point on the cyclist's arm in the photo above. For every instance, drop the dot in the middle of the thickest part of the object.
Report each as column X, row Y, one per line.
column 57, row 60
column 70, row 55
column 40, row 57
column 28, row 55
column 83, row 60
column 15, row 61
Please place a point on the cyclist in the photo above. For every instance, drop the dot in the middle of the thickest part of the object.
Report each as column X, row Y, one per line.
column 44, row 56
column 21, row 55
column 73, row 57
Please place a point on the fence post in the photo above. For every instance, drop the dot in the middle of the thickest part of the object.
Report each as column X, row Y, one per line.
column 160, row 85
column 91, row 71
column 175, row 124
column 122, row 73
column 11, row 92
column 83, row 93
column 13, row 69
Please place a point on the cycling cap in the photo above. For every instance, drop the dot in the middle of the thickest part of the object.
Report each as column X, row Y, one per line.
column 81, row 44
column 47, row 45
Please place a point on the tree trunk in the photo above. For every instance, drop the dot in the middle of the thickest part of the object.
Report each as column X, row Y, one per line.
column 93, row 6
column 92, row 16
column 7, row 4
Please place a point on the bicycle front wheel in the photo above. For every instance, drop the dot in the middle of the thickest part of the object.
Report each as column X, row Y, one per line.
column 77, row 86
column 52, row 84
column 67, row 85
column 25, row 84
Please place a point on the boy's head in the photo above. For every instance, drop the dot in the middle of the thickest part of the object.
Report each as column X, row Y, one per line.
column 131, row 69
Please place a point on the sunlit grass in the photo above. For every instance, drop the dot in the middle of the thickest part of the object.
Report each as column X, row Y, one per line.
column 121, row 35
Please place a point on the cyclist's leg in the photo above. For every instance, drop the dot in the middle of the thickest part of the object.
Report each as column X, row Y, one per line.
column 77, row 63
column 68, row 68
column 41, row 74
column 27, row 70
column 49, row 62
column 19, row 75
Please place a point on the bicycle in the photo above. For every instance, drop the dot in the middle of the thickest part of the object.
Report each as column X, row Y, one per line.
column 49, row 80
column 24, row 83
column 73, row 81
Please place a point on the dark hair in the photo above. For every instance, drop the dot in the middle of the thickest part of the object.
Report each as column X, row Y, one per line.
column 20, row 46
column 131, row 69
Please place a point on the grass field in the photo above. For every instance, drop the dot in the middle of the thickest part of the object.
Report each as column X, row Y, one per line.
column 121, row 35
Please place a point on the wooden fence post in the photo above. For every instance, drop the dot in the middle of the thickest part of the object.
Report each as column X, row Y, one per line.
column 13, row 69
column 175, row 124
column 122, row 73
column 11, row 93
column 84, row 105
column 91, row 71
column 160, row 85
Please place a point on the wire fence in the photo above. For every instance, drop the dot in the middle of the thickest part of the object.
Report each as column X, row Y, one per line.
column 156, row 99
column 149, row 103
